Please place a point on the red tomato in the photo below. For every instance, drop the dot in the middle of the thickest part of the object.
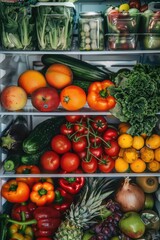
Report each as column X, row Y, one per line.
column 49, row 161
column 66, row 129
column 96, row 151
column 113, row 149
column 106, row 164
column 95, row 139
column 60, row 144
column 110, row 134
column 69, row 162
column 99, row 124
column 82, row 154
column 80, row 127
column 89, row 166
column 73, row 118
column 79, row 144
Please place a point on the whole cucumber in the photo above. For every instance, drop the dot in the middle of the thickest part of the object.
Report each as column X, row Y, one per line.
column 42, row 134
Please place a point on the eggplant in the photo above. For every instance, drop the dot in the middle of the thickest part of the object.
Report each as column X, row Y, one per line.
column 12, row 137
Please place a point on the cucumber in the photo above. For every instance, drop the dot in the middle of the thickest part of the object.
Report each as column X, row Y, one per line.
column 81, row 69
column 41, row 135
column 28, row 159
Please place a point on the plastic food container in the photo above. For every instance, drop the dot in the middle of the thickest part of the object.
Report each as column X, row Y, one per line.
column 122, row 29
column 54, row 25
column 91, row 31
column 17, row 27
column 150, row 27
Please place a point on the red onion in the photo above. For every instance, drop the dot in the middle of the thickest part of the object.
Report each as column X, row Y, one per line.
column 130, row 196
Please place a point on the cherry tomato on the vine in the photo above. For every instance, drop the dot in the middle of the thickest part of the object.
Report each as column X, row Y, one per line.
column 99, row 124
column 73, row 118
column 112, row 149
column 82, row 154
column 106, row 164
column 60, row 144
column 95, row 139
column 79, row 143
column 110, row 134
column 80, row 127
column 89, row 166
column 69, row 162
column 96, row 150
column 66, row 129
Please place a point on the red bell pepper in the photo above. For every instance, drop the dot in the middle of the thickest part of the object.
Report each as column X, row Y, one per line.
column 48, row 220
column 62, row 200
column 26, row 208
column 72, row 184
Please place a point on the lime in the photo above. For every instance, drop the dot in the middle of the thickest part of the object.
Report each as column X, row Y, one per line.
column 124, row 7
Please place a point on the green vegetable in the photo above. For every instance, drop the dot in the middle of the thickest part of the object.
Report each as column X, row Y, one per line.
column 3, row 226
column 33, row 159
column 54, row 27
column 11, row 162
column 41, row 135
column 138, row 98
column 17, row 27
column 83, row 84
column 81, row 69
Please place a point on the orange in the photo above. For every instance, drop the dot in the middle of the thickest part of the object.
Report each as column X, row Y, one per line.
column 31, row 80
column 73, row 98
column 123, row 127
column 59, row 75
column 153, row 141
column 138, row 166
column 125, row 140
column 157, row 154
column 121, row 165
column 138, row 142
column 130, row 155
column 147, row 154
column 153, row 166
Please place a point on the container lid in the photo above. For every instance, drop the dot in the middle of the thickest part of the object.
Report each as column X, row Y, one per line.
column 90, row 14
column 64, row 4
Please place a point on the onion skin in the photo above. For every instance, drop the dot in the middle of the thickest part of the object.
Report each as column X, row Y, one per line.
column 130, row 196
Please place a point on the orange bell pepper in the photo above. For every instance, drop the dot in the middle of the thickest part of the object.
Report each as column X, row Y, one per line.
column 98, row 97
column 28, row 169
column 42, row 193
column 15, row 192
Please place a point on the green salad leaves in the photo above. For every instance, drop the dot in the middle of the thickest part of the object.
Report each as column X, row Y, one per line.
column 138, row 98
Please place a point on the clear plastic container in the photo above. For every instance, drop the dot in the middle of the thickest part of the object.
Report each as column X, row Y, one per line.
column 120, row 42
column 91, row 31
column 54, row 25
column 17, row 27
column 150, row 27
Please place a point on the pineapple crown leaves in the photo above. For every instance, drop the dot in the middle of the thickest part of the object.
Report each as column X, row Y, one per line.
column 89, row 204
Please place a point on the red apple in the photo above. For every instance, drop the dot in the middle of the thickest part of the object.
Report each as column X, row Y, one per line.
column 45, row 99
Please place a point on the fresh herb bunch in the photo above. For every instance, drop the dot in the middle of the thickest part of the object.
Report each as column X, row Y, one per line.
column 138, row 97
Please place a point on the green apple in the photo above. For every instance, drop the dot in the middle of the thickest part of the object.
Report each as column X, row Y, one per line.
column 132, row 225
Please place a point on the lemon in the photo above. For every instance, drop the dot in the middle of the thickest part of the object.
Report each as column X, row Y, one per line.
column 124, row 7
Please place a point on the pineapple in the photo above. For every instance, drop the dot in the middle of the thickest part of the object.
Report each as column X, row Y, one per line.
column 81, row 214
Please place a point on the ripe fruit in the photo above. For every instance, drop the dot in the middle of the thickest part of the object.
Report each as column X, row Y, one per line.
column 30, row 80
column 148, row 184
column 59, row 75
column 13, row 98
column 125, row 140
column 130, row 155
column 138, row 142
column 138, row 166
column 157, row 154
column 121, row 165
column 45, row 99
column 153, row 141
column 123, row 127
column 147, row 154
column 153, row 166
column 72, row 98
column 132, row 225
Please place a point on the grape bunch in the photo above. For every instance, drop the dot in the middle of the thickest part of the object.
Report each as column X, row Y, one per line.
column 108, row 228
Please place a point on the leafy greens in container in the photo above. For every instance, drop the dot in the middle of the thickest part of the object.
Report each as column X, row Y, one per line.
column 54, row 25
column 138, row 98
column 17, row 27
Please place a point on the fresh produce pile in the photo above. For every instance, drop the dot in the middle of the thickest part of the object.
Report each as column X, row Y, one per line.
column 79, row 143
column 88, row 209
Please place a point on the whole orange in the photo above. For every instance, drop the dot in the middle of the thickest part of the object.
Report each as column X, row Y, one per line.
column 31, row 80
column 59, row 75
column 72, row 98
